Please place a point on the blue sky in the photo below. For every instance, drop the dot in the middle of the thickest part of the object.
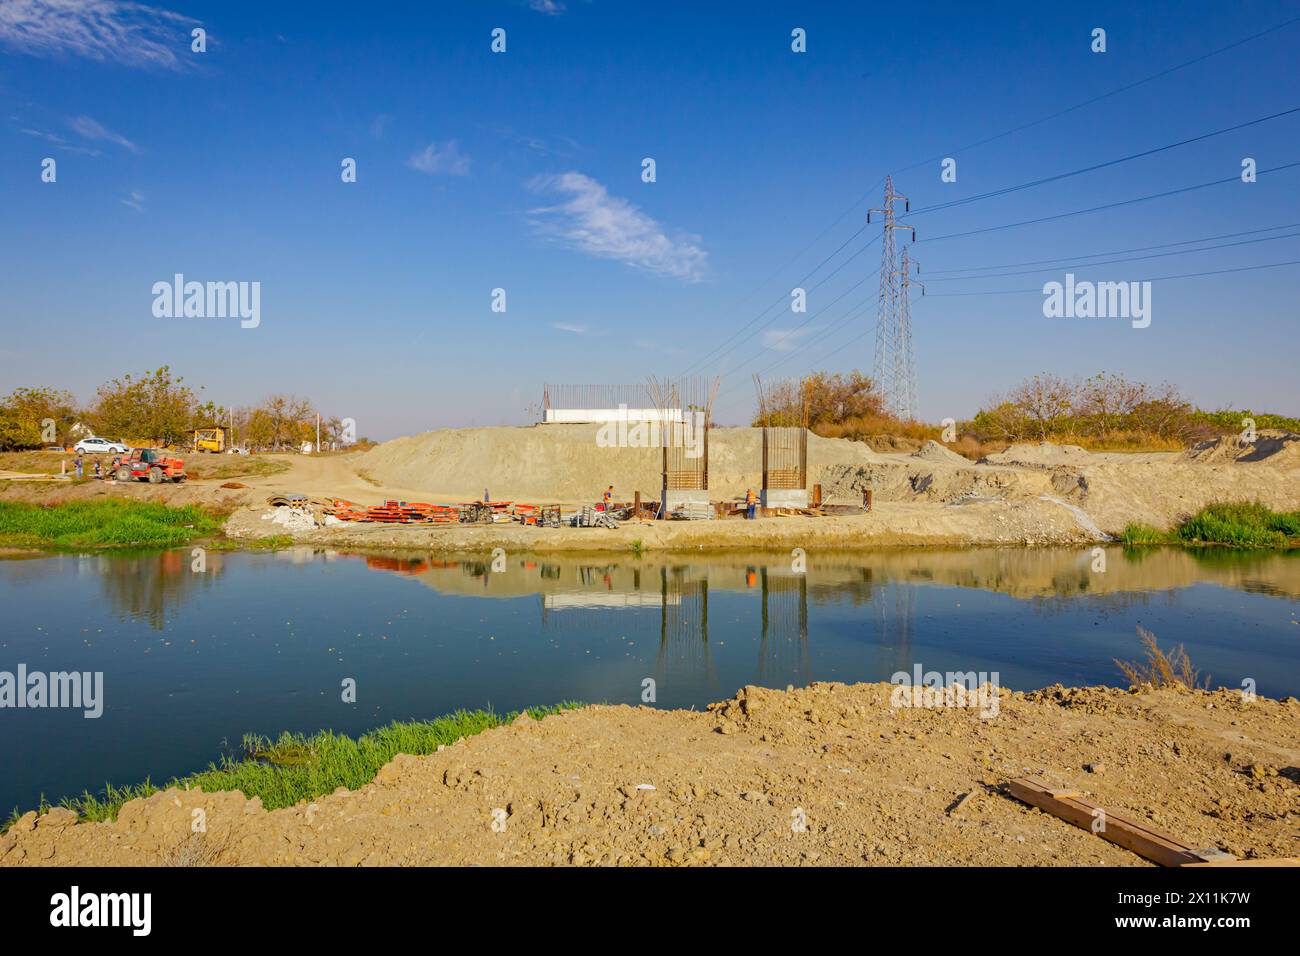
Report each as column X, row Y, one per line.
column 523, row 170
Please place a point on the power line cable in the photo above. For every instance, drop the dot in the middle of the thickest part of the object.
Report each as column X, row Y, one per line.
column 727, row 351
column 1097, row 99
column 811, row 316
column 870, row 192
column 1108, row 262
column 1111, row 205
column 1114, row 252
column 704, row 358
column 1182, row 275
column 1096, row 166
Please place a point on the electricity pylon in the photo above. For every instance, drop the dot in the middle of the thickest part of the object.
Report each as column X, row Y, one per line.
column 905, row 323
column 893, row 365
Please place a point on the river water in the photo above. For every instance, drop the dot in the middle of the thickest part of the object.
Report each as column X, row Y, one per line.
column 194, row 655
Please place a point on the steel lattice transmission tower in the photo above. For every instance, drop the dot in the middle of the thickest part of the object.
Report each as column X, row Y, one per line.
column 894, row 370
column 905, row 323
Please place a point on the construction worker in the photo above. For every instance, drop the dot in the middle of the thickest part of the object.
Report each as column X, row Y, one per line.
column 751, row 503
column 609, row 497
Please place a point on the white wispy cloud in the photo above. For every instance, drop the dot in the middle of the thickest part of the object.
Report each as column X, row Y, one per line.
column 135, row 200
column 609, row 227
column 566, row 327
column 116, row 31
column 61, row 143
column 92, row 129
column 550, row 7
column 449, row 160
column 783, row 340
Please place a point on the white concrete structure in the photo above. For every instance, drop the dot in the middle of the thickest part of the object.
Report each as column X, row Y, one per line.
column 784, row 498
column 586, row 416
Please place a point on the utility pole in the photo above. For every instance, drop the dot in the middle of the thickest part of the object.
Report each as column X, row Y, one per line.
column 893, row 360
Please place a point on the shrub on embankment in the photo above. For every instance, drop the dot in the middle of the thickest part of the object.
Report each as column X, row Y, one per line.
column 298, row 767
column 111, row 523
column 1235, row 525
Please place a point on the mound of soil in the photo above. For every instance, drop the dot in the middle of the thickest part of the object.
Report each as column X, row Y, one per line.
column 568, row 463
column 933, row 451
column 826, row 775
column 1041, row 455
column 1277, row 447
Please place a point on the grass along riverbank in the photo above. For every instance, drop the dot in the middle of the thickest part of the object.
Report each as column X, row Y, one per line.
column 1238, row 525
column 110, row 523
column 298, row 767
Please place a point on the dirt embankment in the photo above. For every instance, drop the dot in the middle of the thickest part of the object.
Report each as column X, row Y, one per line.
column 1027, row 495
column 829, row 774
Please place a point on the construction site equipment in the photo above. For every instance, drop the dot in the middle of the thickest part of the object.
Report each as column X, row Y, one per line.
column 152, row 465
column 212, row 439
column 691, row 511
column 591, row 518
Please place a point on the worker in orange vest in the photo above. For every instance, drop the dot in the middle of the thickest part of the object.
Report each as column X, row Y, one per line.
column 609, row 497
column 751, row 502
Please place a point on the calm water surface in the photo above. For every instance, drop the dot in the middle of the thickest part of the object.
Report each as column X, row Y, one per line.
column 261, row 642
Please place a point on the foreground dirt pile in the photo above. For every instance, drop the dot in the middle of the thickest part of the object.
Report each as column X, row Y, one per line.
column 829, row 774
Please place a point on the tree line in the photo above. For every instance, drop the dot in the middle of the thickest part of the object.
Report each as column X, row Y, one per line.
column 158, row 408
column 1105, row 409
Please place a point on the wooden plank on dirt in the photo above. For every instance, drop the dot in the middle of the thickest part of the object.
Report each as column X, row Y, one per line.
column 1276, row 861
column 1136, row 835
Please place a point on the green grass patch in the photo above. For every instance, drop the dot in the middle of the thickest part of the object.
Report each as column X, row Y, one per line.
column 110, row 523
column 1140, row 534
column 1242, row 525
column 297, row 767
column 1237, row 525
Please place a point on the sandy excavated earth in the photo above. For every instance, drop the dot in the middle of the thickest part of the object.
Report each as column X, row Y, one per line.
column 1035, row 494
column 826, row 775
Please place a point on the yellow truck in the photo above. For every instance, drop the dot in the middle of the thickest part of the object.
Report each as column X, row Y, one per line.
column 210, row 439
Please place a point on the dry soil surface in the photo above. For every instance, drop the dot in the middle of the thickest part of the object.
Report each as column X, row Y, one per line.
column 829, row 774
column 1027, row 495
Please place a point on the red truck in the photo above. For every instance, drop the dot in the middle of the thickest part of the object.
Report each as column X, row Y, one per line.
column 150, row 464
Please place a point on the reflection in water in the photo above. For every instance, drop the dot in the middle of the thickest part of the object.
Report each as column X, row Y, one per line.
column 684, row 652
column 894, row 627
column 148, row 586
column 783, row 647
column 258, row 642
